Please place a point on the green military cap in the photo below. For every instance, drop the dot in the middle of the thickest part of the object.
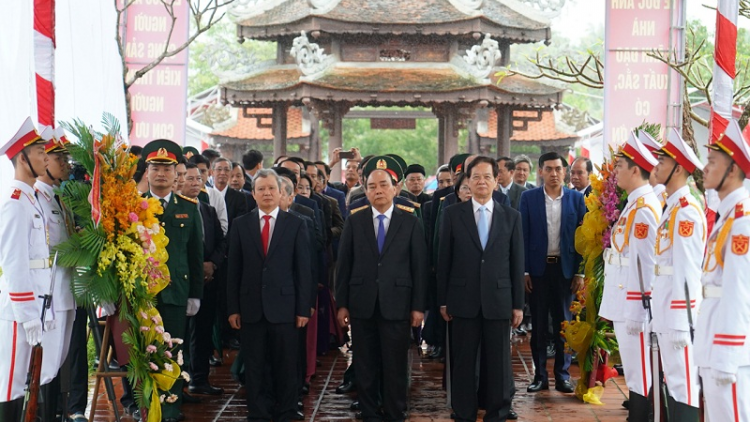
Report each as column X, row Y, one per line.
column 386, row 163
column 457, row 162
column 189, row 152
column 401, row 162
column 162, row 151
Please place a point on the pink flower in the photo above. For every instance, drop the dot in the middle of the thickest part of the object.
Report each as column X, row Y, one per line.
column 153, row 366
column 144, row 315
column 160, row 329
column 150, row 348
column 133, row 217
column 144, row 205
column 144, row 328
column 168, row 354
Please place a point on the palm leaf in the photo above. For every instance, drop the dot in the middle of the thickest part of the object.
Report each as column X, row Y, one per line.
column 110, row 123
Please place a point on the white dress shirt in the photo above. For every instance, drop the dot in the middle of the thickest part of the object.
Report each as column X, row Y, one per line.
column 505, row 189
column 274, row 214
column 216, row 200
column 553, row 208
column 386, row 221
column 166, row 198
column 489, row 208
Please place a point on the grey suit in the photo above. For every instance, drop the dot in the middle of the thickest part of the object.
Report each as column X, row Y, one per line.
column 514, row 194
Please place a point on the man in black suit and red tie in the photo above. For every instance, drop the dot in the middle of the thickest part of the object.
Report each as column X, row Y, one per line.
column 480, row 270
column 380, row 289
column 268, row 295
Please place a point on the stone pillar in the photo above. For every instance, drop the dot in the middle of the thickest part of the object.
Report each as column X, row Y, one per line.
column 335, row 140
column 314, row 151
column 442, row 159
column 451, row 134
column 504, row 130
column 279, row 129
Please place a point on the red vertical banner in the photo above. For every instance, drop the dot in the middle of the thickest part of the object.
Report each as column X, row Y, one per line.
column 44, row 60
column 638, row 87
column 158, row 99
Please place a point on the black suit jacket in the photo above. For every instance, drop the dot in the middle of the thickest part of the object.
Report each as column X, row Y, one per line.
column 214, row 241
column 514, row 194
column 472, row 280
column 276, row 286
column 395, row 279
column 587, row 191
column 236, row 204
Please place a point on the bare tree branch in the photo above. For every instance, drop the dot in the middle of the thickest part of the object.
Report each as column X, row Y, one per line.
column 589, row 73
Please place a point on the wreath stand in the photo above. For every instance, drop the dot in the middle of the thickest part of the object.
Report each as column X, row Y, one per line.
column 103, row 372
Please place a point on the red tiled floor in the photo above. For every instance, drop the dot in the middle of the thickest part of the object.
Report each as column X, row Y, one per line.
column 426, row 403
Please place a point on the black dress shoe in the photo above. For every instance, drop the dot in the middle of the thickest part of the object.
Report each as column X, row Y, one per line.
column 214, row 361
column 345, row 388
column 300, row 406
column 358, row 416
column 354, row 406
column 305, row 389
column 512, row 415
column 187, row 398
column 437, row 352
column 180, row 416
column 564, row 386
column 134, row 411
column 537, row 386
column 453, row 415
column 233, row 344
column 298, row 416
column 170, row 420
column 206, row 389
column 520, row 332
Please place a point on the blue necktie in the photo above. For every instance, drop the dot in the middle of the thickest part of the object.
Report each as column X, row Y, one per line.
column 381, row 233
column 482, row 226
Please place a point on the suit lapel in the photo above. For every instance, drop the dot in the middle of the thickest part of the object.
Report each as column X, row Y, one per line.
column 542, row 210
column 255, row 232
column 396, row 219
column 369, row 229
column 471, row 226
column 278, row 231
column 497, row 213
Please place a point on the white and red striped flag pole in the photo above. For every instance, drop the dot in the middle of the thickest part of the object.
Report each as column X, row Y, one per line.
column 44, row 60
column 725, row 53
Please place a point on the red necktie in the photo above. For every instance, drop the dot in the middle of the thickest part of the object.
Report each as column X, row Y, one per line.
column 265, row 233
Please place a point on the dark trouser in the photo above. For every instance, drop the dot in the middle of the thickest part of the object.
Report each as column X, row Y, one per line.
column 175, row 320
column 467, row 334
column 264, row 344
column 381, row 348
column 550, row 295
column 301, row 357
column 201, row 332
column 78, row 359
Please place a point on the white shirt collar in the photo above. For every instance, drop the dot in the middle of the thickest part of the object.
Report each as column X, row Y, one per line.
column 387, row 213
column 274, row 214
column 507, row 188
column 634, row 195
column 562, row 193
column 490, row 205
column 679, row 193
column 166, row 198
column 223, row 192
column 729, row 201
column 45, row 189
column 584, row 189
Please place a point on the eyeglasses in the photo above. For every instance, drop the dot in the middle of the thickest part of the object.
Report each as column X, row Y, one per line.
column 222, row 169
column 464, row 188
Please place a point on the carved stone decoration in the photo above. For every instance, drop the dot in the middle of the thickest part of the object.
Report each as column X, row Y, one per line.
column 469, row 7
column 230, row 64
column 538, row 9
column 323, row 5
column 243, row 9
column 481, row 58
column 546, row 6
column 309, row 56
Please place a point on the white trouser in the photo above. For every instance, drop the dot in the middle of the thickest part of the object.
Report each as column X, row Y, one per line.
column 15, row 354
column 730, row 402
column 56, row 344
column 680, row 371
column 635, row 354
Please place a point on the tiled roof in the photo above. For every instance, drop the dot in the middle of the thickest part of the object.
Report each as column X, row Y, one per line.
column 387, row 79
column 415, row 12
column 544, row 130
column 247, row 127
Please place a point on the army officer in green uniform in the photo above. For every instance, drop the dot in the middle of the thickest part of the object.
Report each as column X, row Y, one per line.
column 182, row 225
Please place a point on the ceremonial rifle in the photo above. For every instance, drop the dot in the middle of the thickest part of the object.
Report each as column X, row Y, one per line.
column 33, row 377
column 655, row 361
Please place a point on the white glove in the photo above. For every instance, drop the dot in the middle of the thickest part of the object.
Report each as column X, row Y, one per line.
column 634, row 328
column 109, row 308
column 50, row 325
column 33, row 330
column 723, row 378
column 193, row 305
column 679, row 339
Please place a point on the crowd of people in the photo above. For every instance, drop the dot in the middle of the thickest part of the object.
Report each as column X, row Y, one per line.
column 284, row 265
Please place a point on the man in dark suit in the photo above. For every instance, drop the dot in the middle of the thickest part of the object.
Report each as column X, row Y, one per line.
column 550, row 216
column 214, row 250
column 182, row 225
column 252, row 160
column 381, row 284
column 235, row 200
column 414, row 179
column 522, row 172
column 324, row 173
column 268, row 295
column 505, row 183
column 480, row 290
column 580, row 170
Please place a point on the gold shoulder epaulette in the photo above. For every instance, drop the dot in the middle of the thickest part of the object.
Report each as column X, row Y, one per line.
column 358, row 209
column 204, row 190
column 641, row 202
column 194, row 201
column 405, row 208
column 442, row 198
column 416, row 204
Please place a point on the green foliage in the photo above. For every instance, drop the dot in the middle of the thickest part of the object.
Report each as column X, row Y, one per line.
column 653, row 129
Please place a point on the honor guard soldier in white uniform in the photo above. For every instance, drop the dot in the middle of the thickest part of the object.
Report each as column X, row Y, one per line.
column 60, row 224
column 722, row 349
column 652, row 145
column 680, row 242
column 633, row 239
column 24, row 259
